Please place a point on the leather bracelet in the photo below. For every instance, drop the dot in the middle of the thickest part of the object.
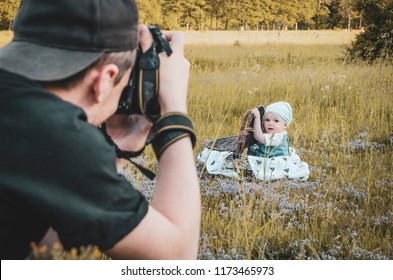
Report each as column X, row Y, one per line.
column 165, row 139
column 173, row 120
column 169, row 128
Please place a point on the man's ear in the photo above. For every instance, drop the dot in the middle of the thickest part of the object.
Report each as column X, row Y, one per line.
column 105, row 82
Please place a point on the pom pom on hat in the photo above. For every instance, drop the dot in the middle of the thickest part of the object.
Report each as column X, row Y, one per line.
column 281, row 109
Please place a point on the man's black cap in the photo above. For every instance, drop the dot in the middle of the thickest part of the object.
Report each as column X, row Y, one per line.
column 54, row 39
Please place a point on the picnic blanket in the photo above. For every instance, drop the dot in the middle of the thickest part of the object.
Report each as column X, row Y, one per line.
column 225, row 163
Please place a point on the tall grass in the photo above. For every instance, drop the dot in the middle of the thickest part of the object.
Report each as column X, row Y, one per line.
column 300, row 37
column 342, row 128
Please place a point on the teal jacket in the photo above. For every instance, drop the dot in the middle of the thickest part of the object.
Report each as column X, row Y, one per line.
column 261, row 150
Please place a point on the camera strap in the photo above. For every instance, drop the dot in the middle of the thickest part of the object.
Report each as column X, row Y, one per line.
column 126, row 154
column 147, row 77
column 162, row 43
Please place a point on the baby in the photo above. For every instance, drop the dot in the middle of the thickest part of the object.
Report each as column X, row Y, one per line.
column 271, row 159
column 273, row 138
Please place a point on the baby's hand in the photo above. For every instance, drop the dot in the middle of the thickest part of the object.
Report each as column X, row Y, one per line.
column 255, row 113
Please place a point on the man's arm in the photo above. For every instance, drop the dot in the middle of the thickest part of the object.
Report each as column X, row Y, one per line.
column 170, row 229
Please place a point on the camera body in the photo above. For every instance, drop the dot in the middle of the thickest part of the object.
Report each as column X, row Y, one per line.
column 140, row 96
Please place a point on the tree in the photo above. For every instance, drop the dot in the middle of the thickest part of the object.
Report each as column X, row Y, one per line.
column 170, row 10
column 346, row 9
column 377, row 40
column 306, row 12
column 321, row 17
column 284, row 12
column 228, row 13
column 193, row 15
column 335, row 17
column 288, row 14
column 149, row 12
column 266, row 11
column 8, row 11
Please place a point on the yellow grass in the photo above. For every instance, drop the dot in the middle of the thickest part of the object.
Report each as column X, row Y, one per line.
column 253, row 37
column 342, row 128
column 274, row 37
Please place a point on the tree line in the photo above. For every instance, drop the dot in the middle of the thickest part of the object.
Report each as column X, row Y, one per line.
column 233, row 14
column 8, row 9
column 250, row 14
column 375, row 15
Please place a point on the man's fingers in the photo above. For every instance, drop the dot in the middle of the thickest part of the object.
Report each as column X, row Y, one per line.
column 145, row 37
column 177, row 41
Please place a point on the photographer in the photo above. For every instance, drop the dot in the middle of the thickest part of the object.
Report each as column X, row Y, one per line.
column 61, row 78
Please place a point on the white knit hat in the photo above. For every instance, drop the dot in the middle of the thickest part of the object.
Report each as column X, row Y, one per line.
column 281, row 109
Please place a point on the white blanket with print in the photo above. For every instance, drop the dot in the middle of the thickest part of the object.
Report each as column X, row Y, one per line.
column 264, row 169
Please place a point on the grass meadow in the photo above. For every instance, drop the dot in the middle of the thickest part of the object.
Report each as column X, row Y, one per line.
column 342, row 127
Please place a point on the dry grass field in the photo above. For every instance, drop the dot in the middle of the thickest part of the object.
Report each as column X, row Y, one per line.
column 301, row 37
column 333, row 37
column 342, row 127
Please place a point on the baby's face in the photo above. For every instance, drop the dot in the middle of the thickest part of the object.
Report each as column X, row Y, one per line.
column 273, row 123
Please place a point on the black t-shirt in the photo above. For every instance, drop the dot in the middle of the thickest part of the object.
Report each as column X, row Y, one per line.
column 57, row 170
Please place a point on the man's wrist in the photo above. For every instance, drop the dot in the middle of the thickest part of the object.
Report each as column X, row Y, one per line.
column 169, row 128
column 173, row 107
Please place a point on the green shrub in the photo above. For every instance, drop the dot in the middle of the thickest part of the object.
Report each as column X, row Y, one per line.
column 377, row 40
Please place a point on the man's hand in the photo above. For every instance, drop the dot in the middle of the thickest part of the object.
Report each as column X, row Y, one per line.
column 174, row 76
column 128, row 132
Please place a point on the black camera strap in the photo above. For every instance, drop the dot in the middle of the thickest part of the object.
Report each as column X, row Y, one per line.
column 162, row 44
column 147, row 78
column 126, row 154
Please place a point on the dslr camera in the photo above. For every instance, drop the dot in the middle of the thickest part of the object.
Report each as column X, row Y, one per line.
column 140, row 96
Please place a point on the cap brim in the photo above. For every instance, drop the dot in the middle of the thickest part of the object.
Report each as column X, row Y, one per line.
column 42, row 63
